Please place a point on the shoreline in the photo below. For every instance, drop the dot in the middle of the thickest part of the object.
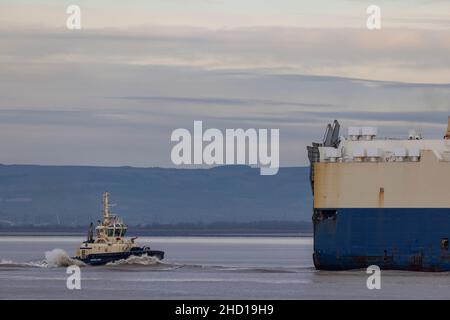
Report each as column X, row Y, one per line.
column 160, row 234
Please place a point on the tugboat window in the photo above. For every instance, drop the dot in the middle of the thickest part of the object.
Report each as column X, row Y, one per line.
column 110, row 232
column 117, row 232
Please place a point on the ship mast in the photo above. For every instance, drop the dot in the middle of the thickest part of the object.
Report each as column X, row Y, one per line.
column 105, row 209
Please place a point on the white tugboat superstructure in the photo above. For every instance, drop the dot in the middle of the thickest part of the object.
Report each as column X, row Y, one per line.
column 110, row 243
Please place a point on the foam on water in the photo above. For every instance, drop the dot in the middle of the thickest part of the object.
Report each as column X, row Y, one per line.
column 60, row 258
column 53, row 259
column 35, row 264
column 143, row 260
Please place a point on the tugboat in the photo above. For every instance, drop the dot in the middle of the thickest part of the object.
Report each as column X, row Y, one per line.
column 110, row 244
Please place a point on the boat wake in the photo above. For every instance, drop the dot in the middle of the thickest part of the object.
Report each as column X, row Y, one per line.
column 244, row 269
column 143, row 260
column 60, row 258
column 12, row 264
column 53, row 259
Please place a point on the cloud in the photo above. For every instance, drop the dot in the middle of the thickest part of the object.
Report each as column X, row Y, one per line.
column 112, row 96
column 218, row 14
column 124, row 115
column 388, row 55
column 210, row 101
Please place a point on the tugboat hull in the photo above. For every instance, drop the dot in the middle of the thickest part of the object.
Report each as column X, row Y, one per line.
column 96, row 259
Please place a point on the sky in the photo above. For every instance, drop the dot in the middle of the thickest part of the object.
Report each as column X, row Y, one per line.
column 112, row 92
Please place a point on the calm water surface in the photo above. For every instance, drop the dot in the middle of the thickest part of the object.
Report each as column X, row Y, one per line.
column 200, row 268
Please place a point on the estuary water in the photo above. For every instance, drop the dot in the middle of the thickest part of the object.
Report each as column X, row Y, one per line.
column 34, row 267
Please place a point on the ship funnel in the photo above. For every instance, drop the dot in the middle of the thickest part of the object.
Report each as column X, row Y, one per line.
column 447, row 134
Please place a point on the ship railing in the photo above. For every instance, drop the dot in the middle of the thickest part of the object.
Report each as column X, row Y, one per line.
column 372, row 159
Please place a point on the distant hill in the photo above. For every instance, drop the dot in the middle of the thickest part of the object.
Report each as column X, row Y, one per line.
column 71, row 195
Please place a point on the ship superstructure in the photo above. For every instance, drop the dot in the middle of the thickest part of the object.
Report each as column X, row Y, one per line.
column 110, row 243
column 382, row 202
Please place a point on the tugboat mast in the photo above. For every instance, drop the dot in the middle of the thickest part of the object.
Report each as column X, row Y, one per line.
column 105, row 209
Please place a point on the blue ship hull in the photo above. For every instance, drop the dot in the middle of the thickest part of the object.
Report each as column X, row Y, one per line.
column 104, row 258
column 391, row 238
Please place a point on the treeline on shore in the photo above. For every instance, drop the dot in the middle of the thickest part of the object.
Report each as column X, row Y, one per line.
column 156, row 229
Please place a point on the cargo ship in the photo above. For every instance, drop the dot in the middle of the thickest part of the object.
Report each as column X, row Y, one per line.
column 110, row 243
column 383, row 202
